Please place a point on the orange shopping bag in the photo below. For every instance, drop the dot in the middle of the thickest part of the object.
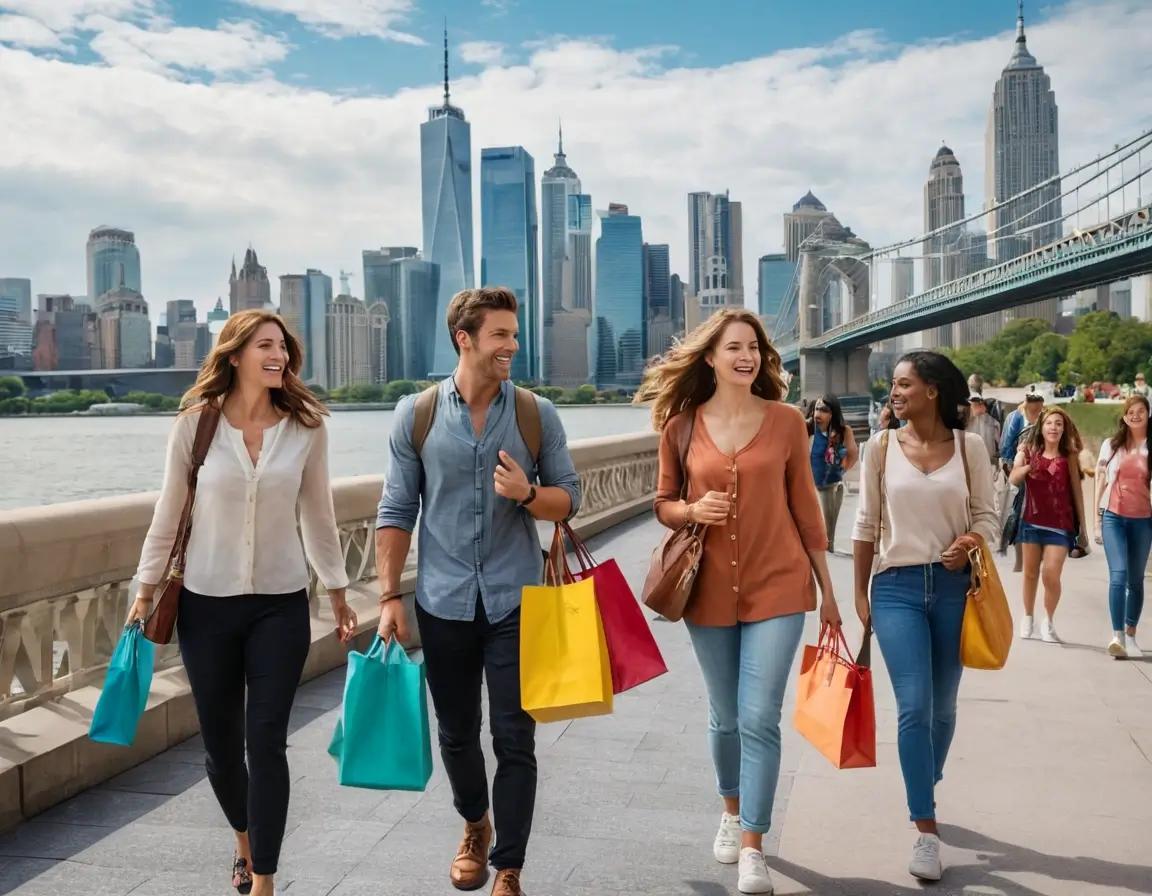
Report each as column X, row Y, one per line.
column 835, row 706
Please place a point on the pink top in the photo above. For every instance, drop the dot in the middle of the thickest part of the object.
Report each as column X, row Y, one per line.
column 1130, row 495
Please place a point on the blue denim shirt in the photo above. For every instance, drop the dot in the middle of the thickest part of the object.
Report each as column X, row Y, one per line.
column 1011, row 436
column 471, row 541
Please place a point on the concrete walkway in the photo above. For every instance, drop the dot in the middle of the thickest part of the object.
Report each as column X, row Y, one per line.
column 1048, row 791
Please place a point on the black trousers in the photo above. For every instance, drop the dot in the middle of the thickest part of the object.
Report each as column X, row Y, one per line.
column 257, row 642
column 457, row 657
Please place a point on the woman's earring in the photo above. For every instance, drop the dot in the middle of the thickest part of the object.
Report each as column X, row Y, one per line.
column 931, row 395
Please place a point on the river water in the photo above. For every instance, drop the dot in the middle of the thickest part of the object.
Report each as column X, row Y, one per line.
column 49, row 460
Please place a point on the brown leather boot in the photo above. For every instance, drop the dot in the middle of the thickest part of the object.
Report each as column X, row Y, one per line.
column 507, row 883
column 470, row 867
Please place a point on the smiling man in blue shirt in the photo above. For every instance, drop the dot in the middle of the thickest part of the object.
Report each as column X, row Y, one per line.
column 461, row 462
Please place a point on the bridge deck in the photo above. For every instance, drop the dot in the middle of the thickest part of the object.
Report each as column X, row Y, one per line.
column 1049, row 791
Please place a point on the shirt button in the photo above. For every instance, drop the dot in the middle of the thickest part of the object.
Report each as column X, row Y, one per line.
column 733, row 537
column 735, row 588
column 733, row 562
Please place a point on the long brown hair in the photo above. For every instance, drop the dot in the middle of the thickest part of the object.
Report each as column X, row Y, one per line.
column 1120, row 437
column 681, row 380
column 217, row 376
column 1070, row 443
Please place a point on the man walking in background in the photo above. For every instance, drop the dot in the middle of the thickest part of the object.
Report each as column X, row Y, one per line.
column 976, row 387
column 1015, row 426
column 464, row 457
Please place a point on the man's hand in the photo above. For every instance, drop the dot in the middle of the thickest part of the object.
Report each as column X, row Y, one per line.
column 510, row 480
column 393, row 623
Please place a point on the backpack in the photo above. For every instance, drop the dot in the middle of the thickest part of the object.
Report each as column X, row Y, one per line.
column 527, row 419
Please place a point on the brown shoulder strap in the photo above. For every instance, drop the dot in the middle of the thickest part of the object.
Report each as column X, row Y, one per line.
column 528, row 421
column 201, row 442
column 683, row 443
column 884, row 436
column 963, row 436
column 205, row 432
column 424, row 414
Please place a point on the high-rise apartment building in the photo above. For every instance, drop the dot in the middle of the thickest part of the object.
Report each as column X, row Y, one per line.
column 659, row 328
column 66, row 335
column 249, row 287
column 618, row 326
column 16, row 318
column 348, row 349
column 801, row 223
column 446, row 198
column 509, row 244
column 125, row 330
column 407, row 287
column 943, row 207
column 292, row 303
column 715, row 251
column 113, row 261
column 775, row 278
column 1022, row 150
column 378, row 320
column 180, row 321
column 314, row 326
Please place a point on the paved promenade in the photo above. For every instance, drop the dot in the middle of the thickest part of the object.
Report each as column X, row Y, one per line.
column 1048, row 791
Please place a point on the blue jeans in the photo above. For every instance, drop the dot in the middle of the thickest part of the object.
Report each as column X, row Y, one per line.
column 917, row 613
column 1126, row 544
column 746, row 668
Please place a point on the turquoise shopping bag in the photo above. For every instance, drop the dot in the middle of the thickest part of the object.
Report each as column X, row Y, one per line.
column 381, row 740
column 126, row 686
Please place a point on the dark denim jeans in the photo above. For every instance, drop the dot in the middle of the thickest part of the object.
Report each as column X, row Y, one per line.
column 1127, row 541
column 917, row 613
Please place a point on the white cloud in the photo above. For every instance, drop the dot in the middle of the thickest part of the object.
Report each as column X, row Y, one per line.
column 483, row 52
column 230, row 47
column 25, row 31
column 311, row 178
column 498, row 7
column 63, row 15
column 346, row 18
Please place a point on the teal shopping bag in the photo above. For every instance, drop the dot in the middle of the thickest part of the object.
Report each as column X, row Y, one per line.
column 381, row 740
column 126, row 687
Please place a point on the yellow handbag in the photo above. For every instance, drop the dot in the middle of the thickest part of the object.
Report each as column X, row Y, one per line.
column 986, row 636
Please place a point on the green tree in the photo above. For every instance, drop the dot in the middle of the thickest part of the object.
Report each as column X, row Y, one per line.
column 586, row 394
column 11, row 387
column 12, row 407
column 552, row 393
column 879, row 389
column 999, row 360
column 397, row 389
column 1042, row 363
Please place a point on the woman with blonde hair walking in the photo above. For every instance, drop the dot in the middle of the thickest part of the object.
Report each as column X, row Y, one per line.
column 244, row 625
column 747, row 481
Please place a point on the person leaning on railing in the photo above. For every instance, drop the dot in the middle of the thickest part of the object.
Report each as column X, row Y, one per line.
column 243, row 625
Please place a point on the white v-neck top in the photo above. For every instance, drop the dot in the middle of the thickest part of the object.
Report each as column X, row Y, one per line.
column 923, row 514
column 244, row 534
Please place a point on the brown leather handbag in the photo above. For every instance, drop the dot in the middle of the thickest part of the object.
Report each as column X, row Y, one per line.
column 161, row 622
column 676, row 560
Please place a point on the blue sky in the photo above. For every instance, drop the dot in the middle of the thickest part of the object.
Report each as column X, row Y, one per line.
column 293, row 125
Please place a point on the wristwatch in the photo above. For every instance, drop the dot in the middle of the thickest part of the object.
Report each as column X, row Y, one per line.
column 531, row 496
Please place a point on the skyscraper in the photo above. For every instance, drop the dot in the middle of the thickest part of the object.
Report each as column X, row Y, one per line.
column 407, row 285
column 113, row 261
column 659, row 330
column 314, row 326
column 775, row 278
column 716, row 254
column 801, row 222
column 16, row 317
column 446, row 191
column 618, row 333
column 249, row 288
column 509, row 237
column 1022, row 151
column 943, row 205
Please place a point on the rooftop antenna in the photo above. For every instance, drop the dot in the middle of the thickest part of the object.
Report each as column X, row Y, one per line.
column 446, row 99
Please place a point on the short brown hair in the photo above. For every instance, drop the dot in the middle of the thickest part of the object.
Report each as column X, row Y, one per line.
column 469, row 307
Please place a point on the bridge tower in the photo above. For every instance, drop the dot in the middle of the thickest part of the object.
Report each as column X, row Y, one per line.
column 832, row 251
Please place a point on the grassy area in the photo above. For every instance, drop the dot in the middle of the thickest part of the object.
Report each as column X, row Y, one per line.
column 1094, row 420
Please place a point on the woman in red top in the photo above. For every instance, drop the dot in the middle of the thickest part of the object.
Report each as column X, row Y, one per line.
column 1048, row 467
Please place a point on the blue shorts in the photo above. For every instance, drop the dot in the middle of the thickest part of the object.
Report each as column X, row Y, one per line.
column 1030, row 534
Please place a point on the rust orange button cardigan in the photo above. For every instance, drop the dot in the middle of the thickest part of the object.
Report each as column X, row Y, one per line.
column 756, row 565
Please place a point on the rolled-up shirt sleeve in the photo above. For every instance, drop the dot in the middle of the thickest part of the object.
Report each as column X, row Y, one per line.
column 173, row 492
column 399, row 505
column 866, row 527
column 803, row 502
column 555, row 468
column 318, row 515
column 985, row 519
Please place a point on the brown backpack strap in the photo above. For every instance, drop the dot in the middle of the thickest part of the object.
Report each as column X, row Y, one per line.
column 528, row 421
column 683, row 443
column 423, row 416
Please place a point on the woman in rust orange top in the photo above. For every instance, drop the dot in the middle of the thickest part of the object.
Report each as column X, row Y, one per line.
column 750, row 484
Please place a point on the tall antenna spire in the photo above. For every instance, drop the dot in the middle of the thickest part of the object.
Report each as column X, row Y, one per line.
column 1020, row 21
column 560, row 148
column 446, row 98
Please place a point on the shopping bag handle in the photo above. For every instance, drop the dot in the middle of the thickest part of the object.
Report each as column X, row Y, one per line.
column 388, row 652
column 583, row 555
column 556, row 571
column 864, row 657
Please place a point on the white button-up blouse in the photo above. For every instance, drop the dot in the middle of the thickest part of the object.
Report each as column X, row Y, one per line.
column 244, row 536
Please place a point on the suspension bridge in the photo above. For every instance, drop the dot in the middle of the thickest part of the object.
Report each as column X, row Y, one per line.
column 1090, row 226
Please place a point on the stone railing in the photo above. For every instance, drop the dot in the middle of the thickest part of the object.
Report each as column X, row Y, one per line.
column 66, row 576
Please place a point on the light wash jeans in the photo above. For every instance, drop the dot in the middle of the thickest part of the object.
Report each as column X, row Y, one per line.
column 746, row 668
column 917, row 613
column 1127, row 541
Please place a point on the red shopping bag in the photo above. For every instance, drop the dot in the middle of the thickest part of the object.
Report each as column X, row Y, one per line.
column 632, row 651
column 835, row 706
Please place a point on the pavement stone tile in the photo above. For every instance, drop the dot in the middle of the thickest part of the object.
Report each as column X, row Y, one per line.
column 33, row 877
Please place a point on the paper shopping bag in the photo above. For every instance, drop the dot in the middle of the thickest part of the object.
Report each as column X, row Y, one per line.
column 633, row 654
column 382, row 741
column 125, row 692
column 835, row 706
column 565, row 672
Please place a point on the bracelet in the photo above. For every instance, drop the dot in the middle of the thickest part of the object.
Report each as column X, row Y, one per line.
column 688, row 514
column 390, row 595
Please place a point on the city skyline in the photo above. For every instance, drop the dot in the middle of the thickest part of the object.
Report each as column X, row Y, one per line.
column 371, row 196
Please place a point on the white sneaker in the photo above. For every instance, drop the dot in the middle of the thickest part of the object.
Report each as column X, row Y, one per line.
column 726, row 846
column 1132, row 647
column 925, row 863
column 1026, row 627
column 1048, row 632
column 1116, row 647
column 754, row 876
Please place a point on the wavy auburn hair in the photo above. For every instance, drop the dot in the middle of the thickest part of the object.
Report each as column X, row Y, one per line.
column 1070, row 442
column 217, row 375
column 681, row 380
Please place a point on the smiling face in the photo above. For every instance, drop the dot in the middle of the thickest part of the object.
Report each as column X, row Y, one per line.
column 1053, row 429
column 263, row 358
column 1136, row 418
column 736, row 358
column 490, row 353
column 910, row 395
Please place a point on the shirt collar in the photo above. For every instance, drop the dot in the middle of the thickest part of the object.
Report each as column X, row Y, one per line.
column 448, row 388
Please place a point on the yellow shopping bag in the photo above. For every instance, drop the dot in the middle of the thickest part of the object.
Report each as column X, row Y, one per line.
column 986, row 636
column 564, row 668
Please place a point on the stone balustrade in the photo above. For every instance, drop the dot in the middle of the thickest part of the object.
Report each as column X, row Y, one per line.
column 66, row 576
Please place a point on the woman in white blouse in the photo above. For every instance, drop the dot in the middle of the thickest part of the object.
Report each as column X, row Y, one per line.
column 243, row 620
column 922, row 505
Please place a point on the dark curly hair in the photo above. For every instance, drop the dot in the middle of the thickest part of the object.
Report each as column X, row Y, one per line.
column 938, row 371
